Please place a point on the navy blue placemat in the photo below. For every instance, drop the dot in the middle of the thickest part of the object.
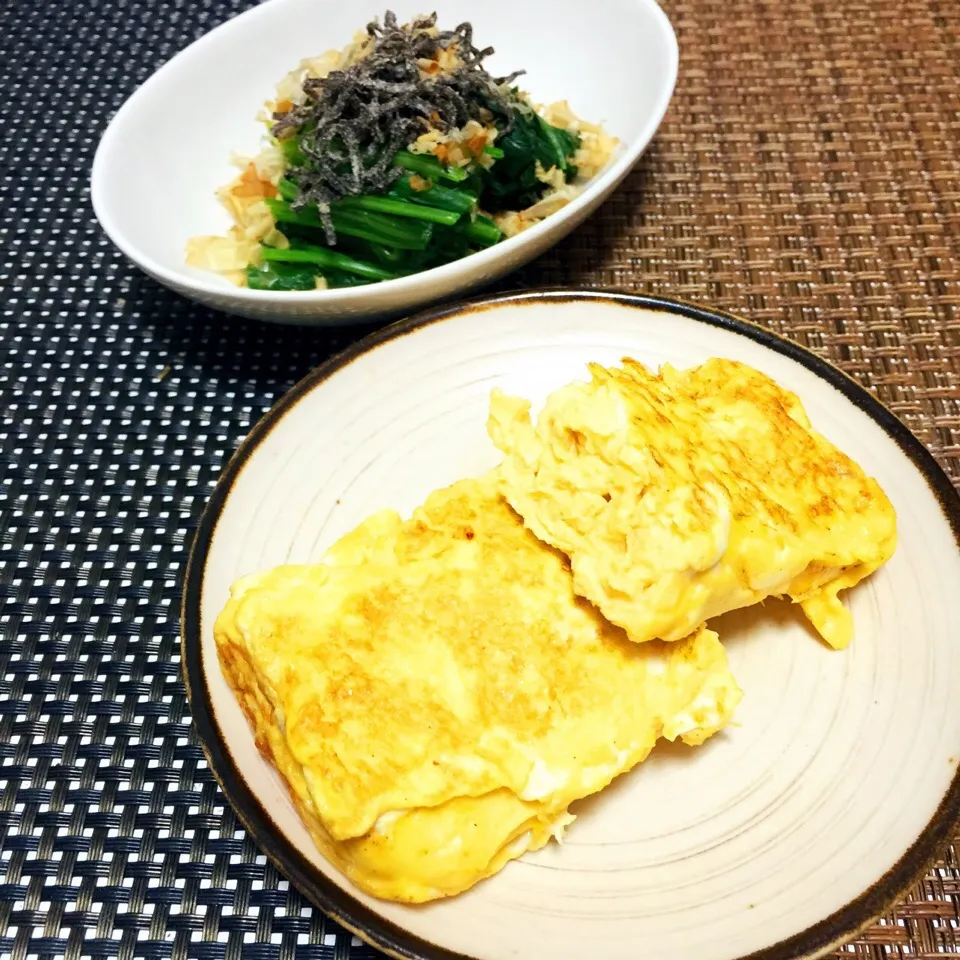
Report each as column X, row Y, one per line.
column 121, row 402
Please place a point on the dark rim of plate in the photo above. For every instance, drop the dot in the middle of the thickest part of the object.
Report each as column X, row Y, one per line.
column 816, row 940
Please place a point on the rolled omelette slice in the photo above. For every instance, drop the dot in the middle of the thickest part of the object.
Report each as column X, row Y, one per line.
column 680, row 495
column 436, row 695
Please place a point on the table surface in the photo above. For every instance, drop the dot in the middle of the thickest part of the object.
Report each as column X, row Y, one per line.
column 807, row 176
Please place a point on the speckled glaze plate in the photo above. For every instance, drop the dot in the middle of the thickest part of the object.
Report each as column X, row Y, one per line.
column 782, row 836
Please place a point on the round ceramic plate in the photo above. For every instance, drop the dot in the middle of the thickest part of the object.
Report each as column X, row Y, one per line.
column 781, row 836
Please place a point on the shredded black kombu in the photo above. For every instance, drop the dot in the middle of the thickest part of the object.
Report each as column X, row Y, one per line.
column 353, row 122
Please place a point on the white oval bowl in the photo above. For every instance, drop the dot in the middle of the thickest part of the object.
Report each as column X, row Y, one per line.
column 167, row 149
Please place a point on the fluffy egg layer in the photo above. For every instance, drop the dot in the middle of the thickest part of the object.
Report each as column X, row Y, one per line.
column 680, row 495
column 436, row 694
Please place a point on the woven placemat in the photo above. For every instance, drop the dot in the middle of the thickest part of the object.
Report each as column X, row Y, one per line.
column 807, row 176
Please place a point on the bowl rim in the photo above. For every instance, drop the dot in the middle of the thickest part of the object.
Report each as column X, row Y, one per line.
column 604, row 182
column 816, row 940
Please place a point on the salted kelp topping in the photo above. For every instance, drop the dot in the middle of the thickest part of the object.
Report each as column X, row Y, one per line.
column 353, row 122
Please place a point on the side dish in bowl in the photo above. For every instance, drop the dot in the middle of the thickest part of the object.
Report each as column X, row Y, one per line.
column 167, row 152
column 398, row 153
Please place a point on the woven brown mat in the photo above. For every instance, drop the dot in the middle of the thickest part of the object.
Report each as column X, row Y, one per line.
column 807, row 176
